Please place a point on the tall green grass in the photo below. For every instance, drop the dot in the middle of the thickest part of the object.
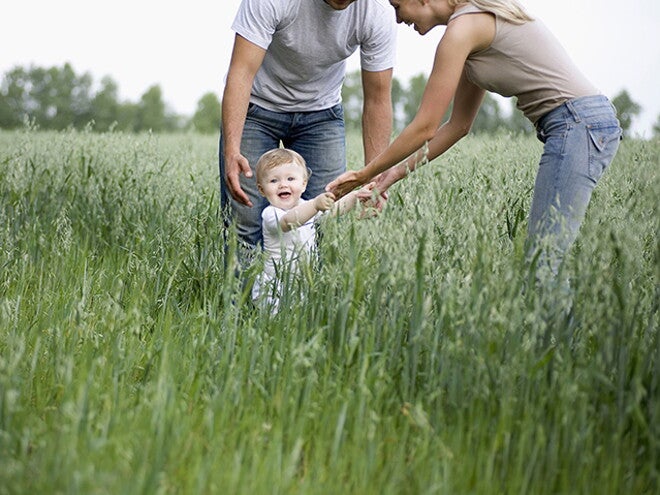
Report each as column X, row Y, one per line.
column 417, row 360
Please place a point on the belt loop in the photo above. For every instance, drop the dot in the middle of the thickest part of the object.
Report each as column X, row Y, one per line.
column 574, row 112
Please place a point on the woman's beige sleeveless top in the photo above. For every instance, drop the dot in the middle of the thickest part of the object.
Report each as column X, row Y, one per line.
column 526, row 61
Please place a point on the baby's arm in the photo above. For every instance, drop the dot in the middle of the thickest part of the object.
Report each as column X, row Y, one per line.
column 348, row 202
column 295, row 217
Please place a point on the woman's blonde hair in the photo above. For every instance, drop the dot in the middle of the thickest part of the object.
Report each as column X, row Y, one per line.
column 279, row 156
column 509, row 10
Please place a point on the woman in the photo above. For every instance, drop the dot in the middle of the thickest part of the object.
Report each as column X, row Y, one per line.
column 495, row 45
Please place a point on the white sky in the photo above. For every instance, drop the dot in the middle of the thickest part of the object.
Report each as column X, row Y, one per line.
column 185, row 46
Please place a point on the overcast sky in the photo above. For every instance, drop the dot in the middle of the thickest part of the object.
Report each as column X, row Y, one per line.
column 185, row 47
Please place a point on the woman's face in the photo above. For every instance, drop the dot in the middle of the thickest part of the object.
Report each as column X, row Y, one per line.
column 415, row 13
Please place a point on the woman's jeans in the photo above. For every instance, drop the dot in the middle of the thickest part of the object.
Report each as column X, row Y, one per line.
column 580, row 140
column 318, row 136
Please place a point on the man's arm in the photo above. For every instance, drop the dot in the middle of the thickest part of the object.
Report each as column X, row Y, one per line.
column 245, row 61
column 376, row 112
column 377, row 118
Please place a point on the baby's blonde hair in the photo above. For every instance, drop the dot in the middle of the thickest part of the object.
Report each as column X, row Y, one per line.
column 509, row 10
column 277, row 157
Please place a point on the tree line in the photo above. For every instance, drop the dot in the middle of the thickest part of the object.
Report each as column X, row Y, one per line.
column 58, row 98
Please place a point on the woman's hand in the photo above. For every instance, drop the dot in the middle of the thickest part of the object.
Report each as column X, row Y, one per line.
column 345, row 183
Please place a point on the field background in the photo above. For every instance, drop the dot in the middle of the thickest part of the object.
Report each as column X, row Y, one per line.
column 418, row 361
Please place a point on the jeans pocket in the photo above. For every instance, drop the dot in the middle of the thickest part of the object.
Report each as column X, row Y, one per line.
column 336, row 112
column 253, row 109
column 605, row 141
column 602, row 135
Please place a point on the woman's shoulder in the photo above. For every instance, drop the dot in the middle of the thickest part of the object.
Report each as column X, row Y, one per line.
column 474, row 32
column 466, row 8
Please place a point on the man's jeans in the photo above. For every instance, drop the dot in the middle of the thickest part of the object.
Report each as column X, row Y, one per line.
column 318, row 136
column 580, row 140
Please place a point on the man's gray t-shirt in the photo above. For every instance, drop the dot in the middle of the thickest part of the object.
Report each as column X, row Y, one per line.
column 307, row 43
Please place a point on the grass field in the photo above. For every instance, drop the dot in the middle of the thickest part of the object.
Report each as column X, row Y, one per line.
column 416, row 363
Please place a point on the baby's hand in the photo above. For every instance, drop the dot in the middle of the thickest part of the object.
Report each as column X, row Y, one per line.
column 324, row 201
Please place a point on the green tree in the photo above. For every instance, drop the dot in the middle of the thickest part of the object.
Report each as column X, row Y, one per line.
column 53, row 98
column 127, row 116
column 517, row 121
column 352, row 99
column 656, row 127
column 105, row 105
column 626, row 109
column 13, row 96
column 69, row 96
column 57, row 98
column 206, row 118
column 31, row 90
column 151, row 111
column 398, row 101
column 413, row 97
column 152, row 114
column 489, row 118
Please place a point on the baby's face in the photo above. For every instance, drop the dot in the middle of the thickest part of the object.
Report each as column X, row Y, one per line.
column 283, row 185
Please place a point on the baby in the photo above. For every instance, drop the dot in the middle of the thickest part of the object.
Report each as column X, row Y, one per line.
column 289, row 222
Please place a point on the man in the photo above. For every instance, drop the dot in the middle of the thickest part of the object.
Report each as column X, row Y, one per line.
column 284, row 87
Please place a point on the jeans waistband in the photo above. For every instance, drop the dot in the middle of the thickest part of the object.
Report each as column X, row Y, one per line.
column 574, row 108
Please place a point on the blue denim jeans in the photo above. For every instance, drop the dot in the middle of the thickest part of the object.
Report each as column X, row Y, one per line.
column 318, row 136
column 580, row 140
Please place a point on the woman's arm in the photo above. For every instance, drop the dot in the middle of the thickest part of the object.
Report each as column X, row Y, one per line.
column 464, row 35
column 466, row 106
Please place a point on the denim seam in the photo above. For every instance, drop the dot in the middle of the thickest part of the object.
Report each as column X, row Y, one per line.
column 574, row 113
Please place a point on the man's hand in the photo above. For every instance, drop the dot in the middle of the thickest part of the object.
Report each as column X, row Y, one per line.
column 234, row 166
column 324, row 201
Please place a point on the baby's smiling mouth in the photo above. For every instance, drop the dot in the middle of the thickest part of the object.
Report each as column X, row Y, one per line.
column 284, row 194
